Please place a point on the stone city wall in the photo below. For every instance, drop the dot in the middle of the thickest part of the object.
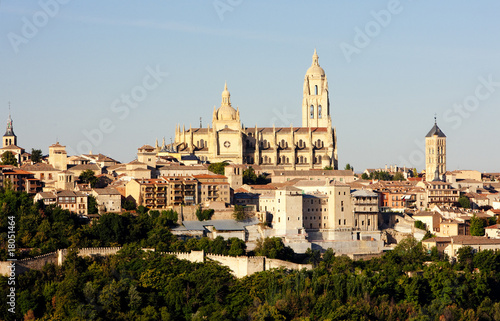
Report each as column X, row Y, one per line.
column 240, row 266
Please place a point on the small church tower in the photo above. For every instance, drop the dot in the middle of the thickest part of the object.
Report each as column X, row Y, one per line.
column 315, row 102
column 9, row 138
column 435, row 154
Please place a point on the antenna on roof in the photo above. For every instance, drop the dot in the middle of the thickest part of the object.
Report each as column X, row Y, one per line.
column 9, row 109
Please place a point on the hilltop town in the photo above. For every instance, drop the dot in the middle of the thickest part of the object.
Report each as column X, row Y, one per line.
column 257, row 182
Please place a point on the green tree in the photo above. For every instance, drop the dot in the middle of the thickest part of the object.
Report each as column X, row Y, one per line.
column 249, row 176
column 476, row 226
column 273, row 248
column 415, row 173
column 239, row 213
column 92, row 205
column 128, row 205
column 36, row 155
column 380, row 175
column 9, row 159
column 420, row 225
column 217, row 168
column 365, row 176
column 237, row 247
column 88, row 176
column 348, row 167
column 465, row 256
column 204, row 215
column 398, row 177
column 464, row 201
column 328, row 168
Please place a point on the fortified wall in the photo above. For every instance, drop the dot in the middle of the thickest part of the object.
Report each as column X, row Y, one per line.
column 240, row 266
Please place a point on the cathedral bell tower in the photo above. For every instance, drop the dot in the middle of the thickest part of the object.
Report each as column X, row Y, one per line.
column 315, row 102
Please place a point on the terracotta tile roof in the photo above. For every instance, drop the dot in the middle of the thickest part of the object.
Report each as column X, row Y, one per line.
column 146, row 147
column 214, row 176
column 83, row 167
column 47, row 195
column 106, row 191
column 12, row 146
column 313, row 172
column 56, row 145
column 136, row 162
column 39, row 167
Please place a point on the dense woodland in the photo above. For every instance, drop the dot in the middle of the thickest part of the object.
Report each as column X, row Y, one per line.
column 404, row 284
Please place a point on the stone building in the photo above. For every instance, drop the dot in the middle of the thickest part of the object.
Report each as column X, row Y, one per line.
column 9, row 142
column 314, row 145
column 435, row 154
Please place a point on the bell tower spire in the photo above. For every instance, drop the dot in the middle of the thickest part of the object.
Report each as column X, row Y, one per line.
column 9, row 138
column 315, row 102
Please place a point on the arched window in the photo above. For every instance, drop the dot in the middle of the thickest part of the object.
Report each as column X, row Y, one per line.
column 202, row 143
column 319, row 111
column 316, row 89
column 301, row 159
column 301, row 143
column 312, row 112
column 319, row 159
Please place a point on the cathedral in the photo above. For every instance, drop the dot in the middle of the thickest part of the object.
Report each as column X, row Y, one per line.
column 312, row 146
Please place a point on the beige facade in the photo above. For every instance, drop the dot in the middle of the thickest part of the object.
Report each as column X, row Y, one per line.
column 307, row 147
column 75, row 202
column 287, row 217
column 343, row 176
column 108, row 200
column 44, row 172
column 65, row 181
column 439, row 193
column 58, row 157
column 163, row 192
column 366, row 210
column 213, row 188
column 435, row 154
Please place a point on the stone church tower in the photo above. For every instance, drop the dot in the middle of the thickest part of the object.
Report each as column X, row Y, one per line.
column 9, row 138
column 435, row 154
column 315, row 102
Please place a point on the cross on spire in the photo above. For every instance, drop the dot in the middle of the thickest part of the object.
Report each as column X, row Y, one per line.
column 435, row 118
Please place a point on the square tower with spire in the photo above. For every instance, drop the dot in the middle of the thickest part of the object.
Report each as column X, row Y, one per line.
column 435, row 154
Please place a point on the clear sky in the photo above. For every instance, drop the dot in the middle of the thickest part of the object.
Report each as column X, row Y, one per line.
column 67, row 67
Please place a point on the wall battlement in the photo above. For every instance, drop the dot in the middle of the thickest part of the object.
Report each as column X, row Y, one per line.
column 240, row 266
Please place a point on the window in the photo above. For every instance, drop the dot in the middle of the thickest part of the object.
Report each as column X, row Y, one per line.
column 319, row 111
column 316, row 89
column 311, row 111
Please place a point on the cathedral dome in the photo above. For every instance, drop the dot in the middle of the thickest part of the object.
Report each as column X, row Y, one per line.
column 226, row 111
column 315, row 69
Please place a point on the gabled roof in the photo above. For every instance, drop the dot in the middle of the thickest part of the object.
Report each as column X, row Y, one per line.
column 84, row 167
column 38, row 167
column 435, row 131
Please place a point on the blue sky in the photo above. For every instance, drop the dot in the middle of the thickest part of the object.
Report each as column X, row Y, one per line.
column 407, row 60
